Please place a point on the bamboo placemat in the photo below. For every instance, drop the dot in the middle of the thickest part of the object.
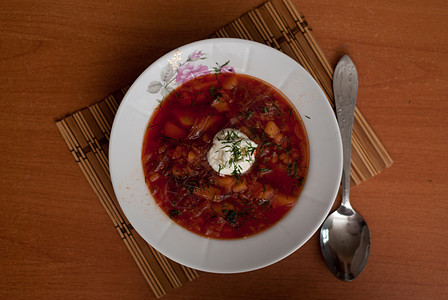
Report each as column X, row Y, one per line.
column 86, row 132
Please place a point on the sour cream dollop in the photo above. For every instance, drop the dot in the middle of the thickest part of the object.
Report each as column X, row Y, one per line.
column 232, row 153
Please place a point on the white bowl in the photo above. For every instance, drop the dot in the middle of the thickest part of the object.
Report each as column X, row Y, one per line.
column 236, row 255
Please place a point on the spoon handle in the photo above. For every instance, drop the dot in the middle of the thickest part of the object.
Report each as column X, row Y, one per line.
column 345, row 87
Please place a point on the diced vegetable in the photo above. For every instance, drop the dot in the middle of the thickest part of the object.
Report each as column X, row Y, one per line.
column 154, row 177
column 191, row 156
column 209, row 193
column 271, row 129
column 185, row 117
column 240, row 186
column 173, row 131
column 278, row 138
column 225, row 182
column 228, row 81
column 284, row 158
column 220, row 105
column 281, row 199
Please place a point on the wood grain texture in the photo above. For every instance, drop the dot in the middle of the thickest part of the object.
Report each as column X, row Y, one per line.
column 280, row 25
column 87, row 132
column 56, row 56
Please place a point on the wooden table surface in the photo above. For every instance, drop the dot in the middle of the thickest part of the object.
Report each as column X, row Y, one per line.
column 56, row 241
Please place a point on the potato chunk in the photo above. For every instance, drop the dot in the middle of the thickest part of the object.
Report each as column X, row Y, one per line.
column 220, row 105
column 185, row 118
column 271, row 129
column 281, row 199
column 210, row 193
column 229, row 81
column 241, row 186
column 225, row 182
column 173, row 131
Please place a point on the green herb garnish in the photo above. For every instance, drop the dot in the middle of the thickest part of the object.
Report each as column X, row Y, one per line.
column 214, row 94
column 174, row 213
column 239, row 149
column 275, row 106
column 248, row 114
column 217, row 69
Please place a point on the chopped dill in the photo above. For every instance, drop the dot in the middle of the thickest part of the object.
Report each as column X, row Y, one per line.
column 153, row 125
column 231, row 217
column 175, row 213
column 239, row 151
column 214, row 94
column 194, row 98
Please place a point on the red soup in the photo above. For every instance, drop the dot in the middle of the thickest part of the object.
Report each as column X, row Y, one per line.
column 181, row 133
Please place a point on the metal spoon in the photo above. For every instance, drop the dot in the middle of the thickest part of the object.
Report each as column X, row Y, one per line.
column 344, row 236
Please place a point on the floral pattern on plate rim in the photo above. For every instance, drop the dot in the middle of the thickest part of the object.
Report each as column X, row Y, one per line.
column 177, row 72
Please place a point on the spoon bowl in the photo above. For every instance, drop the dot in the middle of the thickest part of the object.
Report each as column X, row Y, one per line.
column 345, row 243
column 345, row 236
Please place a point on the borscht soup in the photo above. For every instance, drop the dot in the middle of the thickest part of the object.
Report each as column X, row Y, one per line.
column 225, row 155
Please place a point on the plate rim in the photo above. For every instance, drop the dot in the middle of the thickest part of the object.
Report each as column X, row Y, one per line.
column 123, row 205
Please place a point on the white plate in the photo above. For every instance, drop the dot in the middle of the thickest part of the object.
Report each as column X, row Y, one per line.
column 175, row 242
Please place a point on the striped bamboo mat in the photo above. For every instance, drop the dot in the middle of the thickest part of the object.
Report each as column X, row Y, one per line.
column 276, row 23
